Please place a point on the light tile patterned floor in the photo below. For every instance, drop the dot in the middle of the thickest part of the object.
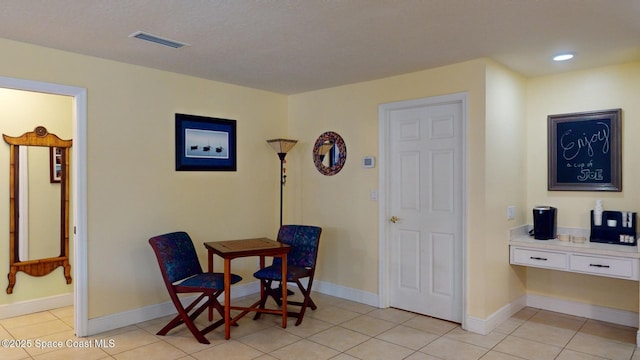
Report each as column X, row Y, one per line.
column 339, row 329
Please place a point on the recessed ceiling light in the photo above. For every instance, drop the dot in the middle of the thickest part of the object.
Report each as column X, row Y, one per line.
column 563, row 57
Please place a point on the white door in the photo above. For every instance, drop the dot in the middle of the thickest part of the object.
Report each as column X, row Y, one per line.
column 425, row 207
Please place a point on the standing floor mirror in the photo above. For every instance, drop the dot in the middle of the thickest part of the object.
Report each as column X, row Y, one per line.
column 38, row 204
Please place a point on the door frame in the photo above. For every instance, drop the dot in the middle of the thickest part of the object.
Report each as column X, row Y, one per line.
column 79, row 188
column 384, row 182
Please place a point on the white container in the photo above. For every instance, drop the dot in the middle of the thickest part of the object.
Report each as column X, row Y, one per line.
column 597, row 213
column 597, row 218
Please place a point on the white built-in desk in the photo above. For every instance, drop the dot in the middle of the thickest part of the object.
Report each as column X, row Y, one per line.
column 617, row 261
column 608, row 260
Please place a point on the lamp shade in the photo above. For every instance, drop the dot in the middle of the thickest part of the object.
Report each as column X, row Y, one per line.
column 282, row 146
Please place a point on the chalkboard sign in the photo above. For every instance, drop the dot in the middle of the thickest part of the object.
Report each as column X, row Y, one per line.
column 584, row 151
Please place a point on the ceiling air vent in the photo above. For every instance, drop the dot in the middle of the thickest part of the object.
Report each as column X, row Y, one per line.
column 158, row 40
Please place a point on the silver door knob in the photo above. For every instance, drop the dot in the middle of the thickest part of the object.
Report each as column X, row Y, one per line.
column 394, row 219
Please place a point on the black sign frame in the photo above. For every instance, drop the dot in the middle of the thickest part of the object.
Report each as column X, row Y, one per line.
column 585, row 151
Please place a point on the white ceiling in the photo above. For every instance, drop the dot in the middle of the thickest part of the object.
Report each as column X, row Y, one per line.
column 293, row 46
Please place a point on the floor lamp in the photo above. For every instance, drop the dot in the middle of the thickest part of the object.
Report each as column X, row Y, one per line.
column 282, row 147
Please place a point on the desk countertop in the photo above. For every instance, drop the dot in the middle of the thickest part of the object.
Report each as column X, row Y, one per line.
column 586, row 248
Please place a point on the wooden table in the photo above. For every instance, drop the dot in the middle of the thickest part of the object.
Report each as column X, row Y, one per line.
column 232, row 249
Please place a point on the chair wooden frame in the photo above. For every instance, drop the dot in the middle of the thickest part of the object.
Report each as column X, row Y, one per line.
column 298, row 267
column 182, row 273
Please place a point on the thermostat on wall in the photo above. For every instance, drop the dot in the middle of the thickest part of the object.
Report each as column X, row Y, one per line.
column 368, row 162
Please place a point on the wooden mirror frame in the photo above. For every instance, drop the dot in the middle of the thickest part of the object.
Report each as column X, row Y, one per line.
column 38, row 267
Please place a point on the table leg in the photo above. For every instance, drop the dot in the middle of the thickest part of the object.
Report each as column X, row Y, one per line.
column 262, row 290
column 210, row 269
column 284, row 290
column 227, row 298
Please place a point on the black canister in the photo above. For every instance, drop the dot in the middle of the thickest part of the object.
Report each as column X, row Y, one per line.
column 544, row 222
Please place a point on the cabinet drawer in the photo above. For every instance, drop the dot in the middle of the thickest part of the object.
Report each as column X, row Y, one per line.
column 539, row 258
column 613, row 267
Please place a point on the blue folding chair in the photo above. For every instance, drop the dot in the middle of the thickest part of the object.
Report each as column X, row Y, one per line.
column 182, row 273
column 301, row 264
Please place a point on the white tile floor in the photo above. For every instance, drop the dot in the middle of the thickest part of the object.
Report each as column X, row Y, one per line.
column 338, row 329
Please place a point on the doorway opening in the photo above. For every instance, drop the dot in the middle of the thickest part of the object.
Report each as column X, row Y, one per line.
column 78, row 188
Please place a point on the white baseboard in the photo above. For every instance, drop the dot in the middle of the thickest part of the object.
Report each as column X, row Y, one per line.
column 590, row 311
column 36, row 305
column 615, row 316
column 485, row 326
column 473, row 324
column 343, row 292
column 114, row 321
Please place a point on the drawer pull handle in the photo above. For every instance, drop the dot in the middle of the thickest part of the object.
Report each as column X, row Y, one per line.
column 600, row 266
column 537, row 258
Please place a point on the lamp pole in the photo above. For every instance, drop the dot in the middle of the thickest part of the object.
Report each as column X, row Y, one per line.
column 282, row 146
column 281, row 156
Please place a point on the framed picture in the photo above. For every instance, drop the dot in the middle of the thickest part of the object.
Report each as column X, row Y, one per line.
column 55, row 164
column 585, row 151
column 205, row 143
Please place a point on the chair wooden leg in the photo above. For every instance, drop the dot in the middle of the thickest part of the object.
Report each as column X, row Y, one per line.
column 267, row 291
column 276, row 293
column 196, row 333
column 264, row 294
column 307, row 298
column 184, row 317
column 219, row 308
column 179, row 319
column 306, row 302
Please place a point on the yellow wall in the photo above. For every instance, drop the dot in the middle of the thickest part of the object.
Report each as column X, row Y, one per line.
column 506, row 183
column 597, row 89
column 21, row 112
column 341, row 203
column 133, row 190
column 135, row 193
